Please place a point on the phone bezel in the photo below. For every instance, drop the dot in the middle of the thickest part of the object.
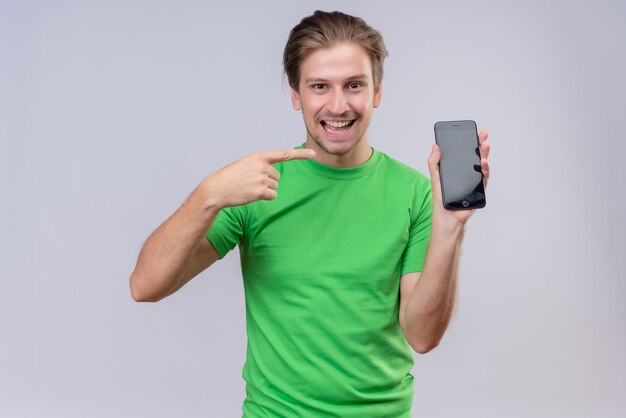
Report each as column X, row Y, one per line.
column 468, row 202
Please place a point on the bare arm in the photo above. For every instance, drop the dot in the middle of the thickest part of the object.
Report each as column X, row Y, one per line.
column 427, row 299
column 175, row 253
column 178, row 250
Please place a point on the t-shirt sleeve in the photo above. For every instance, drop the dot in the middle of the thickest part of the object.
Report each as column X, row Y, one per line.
column 419, row 231
column 227, row 230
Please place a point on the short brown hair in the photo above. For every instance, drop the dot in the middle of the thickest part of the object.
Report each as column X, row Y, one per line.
column 326, row 29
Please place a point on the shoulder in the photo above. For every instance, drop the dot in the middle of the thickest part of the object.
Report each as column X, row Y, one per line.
column 397, row 168
column 406, row 181
column 413, row 185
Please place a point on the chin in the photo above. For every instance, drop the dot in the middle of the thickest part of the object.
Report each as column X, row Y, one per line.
column 334, row 147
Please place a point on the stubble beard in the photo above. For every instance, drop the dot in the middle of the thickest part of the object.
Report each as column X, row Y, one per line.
column 320, row 143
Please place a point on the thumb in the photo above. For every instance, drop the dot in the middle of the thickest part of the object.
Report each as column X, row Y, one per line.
column 433, row 163
column 433, row 168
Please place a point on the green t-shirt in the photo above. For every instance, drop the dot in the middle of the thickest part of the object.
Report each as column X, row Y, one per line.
column 321, row 266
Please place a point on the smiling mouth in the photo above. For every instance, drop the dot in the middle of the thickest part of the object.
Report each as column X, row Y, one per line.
column 337, row 127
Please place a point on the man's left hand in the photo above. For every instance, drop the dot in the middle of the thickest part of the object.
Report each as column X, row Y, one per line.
column 455, row 216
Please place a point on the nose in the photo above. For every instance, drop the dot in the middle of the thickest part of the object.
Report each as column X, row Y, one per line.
column 338, row 103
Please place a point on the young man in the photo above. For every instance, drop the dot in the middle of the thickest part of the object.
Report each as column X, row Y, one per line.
column 350, row 262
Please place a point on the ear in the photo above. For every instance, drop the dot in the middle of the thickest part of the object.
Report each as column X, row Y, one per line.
column 295, row 100
column 378, row 94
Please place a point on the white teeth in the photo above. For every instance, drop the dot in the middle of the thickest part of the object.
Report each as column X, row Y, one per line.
column 338, row 124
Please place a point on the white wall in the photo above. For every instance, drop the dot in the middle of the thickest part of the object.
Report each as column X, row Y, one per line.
column 112, row 112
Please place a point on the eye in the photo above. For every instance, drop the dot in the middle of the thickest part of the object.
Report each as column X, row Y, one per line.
column 354, row 85
column 319, row 86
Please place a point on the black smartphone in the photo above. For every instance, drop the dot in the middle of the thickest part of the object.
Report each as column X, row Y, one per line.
column 459, row 169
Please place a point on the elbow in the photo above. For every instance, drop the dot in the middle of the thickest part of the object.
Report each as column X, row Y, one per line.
column 138, row 292
column 421, row 343
column 424, row 346
column 140, row 297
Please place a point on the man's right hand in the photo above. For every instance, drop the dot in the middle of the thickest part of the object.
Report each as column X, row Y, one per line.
column 178, row 250
column 249, row 179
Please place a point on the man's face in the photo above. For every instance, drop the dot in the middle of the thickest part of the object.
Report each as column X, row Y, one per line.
column 337, row 97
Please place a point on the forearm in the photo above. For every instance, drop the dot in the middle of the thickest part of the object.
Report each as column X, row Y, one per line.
column 431, row 304
column 168, row 252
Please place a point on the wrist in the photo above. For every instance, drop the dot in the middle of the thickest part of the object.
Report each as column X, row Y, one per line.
column 204, row 204
column 447, row 227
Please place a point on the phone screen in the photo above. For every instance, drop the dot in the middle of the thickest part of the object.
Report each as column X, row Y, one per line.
column 459, row 169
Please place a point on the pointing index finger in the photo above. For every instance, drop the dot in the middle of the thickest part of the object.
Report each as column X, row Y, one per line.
column 287, row 155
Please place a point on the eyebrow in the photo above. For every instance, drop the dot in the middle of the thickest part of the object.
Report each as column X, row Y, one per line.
column 359, row 77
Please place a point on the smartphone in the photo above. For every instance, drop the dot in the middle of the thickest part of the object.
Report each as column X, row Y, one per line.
column 459, row 169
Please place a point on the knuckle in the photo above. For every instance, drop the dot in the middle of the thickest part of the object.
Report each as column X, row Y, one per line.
column 257, row 165
column 270, row 194
column 259, row 193
column 260, row 178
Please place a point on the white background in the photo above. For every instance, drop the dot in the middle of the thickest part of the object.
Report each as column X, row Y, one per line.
column 112, row 112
